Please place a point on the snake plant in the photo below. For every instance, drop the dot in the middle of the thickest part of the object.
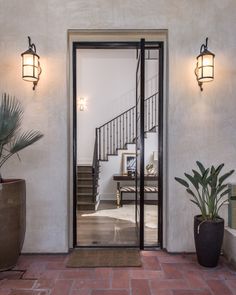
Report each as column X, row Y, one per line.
column 207, row 189
column 12, row 140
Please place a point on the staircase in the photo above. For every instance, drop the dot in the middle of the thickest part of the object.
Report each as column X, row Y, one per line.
column 111, row 137
column 86, row 200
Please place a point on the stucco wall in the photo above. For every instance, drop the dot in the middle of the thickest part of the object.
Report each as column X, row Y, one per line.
column 200, row 125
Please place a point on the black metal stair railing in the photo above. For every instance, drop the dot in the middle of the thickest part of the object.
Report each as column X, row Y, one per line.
column 117, row 133
column 120, row 131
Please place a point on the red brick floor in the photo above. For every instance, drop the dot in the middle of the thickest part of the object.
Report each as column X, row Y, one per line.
column 161, row 274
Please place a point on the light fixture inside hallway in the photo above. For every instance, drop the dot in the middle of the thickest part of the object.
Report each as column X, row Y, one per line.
column 31, row 69
column 82, row 104
column 205, row 65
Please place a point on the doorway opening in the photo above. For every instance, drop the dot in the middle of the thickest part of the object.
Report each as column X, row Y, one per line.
column 117, row 144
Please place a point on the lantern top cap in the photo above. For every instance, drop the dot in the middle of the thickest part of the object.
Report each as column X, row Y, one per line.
column 30, row 51
column 32, row 48
column 204, row 50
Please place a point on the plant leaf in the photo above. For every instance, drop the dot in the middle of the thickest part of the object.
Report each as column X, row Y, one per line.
column 192, row 180
column 225, row 176
column 201, row 167
column 182, row 181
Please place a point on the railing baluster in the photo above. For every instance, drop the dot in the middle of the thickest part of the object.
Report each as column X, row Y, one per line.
column 99, row 142
column 130, row 126
column 117, row 142
column 152, row 112
column 111, row 138
column 126, row 123
column 104, row 137
column 123, row 130
column 120, row 133
column 155, row 109
column 133, row 125
column 107, row 141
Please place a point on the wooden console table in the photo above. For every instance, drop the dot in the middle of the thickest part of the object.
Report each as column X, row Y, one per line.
column 121, row 177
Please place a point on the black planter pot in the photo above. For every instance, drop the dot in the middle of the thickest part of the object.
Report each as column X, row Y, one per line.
column 208, row 236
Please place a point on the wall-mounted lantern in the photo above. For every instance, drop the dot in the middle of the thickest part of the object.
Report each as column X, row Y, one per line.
column 31, row 69
column 205, row 65
column 82, row 104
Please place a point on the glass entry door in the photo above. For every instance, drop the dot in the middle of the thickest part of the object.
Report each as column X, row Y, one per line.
column 139, row 178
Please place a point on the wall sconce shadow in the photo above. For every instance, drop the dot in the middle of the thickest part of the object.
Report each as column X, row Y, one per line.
column 205, row 65
column 31, row 69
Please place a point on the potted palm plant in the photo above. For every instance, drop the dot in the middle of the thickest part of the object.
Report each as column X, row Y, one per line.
column 12, row 191
column 208, row 192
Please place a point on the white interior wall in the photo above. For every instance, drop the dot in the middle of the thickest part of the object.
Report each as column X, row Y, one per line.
column 200, row 125
column 106, row 79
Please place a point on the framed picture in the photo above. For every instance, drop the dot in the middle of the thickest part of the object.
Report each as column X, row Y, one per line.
column 129, row 162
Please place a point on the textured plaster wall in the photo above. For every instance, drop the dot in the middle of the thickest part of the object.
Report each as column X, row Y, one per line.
column 200, row 125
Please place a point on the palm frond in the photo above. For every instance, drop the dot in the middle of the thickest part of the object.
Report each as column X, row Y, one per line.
column 11, row 114
column 24, row 140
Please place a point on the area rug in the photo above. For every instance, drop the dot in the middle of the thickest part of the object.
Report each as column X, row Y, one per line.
column 127, row 212
column 104, row 258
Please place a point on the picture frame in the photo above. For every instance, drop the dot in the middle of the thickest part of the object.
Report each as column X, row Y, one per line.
column 128, row 163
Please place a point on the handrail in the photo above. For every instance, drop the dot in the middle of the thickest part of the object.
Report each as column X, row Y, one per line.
column 126, row 111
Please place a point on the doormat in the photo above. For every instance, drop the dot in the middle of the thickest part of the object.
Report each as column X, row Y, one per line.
column 104, row 258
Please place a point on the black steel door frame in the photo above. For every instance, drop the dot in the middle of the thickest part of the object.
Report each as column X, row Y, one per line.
column 122, row 45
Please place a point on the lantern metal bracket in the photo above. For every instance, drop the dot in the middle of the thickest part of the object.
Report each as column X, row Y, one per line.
column 31, row 45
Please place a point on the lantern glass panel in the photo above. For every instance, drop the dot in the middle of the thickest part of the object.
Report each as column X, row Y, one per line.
column 30, row 64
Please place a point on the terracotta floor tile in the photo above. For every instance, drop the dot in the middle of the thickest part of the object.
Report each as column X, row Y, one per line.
column 161, row 274
column 219, row 287
column 18, row 284
column 191, row 292
column 171, row 284
column 231, row 285
column 110, row 292
column 146, row 274
column 120, row 279
column 77, row 274
column 91, row 284
column 150, row 263
column 171, row 271
column 140, row 287
column 28, row 292
column 11, row 275
column 45, row 284
column 62, row 287
column 103, row 273
column 195, row 280
column 81, row 292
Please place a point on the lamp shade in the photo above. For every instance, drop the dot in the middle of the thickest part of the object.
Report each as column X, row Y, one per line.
column 205, row 66
column 30, row 66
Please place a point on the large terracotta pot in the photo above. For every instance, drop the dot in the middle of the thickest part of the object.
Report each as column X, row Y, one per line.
column 12, row 221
